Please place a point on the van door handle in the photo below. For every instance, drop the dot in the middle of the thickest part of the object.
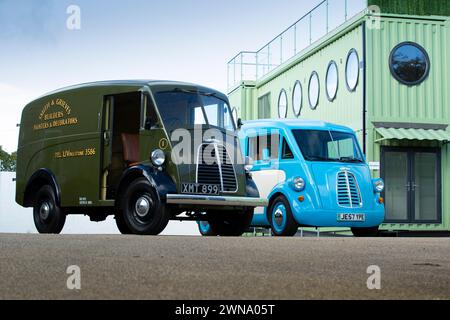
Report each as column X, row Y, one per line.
column 106, row 138
column 408, row 186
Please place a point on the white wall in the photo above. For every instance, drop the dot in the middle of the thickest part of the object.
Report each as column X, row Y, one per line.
column 15, row 219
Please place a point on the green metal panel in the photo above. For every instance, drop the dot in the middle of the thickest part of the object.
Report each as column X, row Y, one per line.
column 415, row 7
column 386, row 99
column 235, row 98
column 244, row 96
column 347, row 108
column 426, row 103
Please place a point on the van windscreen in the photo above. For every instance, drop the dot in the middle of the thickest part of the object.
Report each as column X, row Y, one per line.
column 328, row 146
column 181, row 109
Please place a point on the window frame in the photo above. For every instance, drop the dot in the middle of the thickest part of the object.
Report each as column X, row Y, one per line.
column 353, row 50
column 297, row 114
column 266, row 97
column 283, row 92
column 427, row 58
column 285, row 144
column 331, row 63
column 314, row 73
column 258, row 138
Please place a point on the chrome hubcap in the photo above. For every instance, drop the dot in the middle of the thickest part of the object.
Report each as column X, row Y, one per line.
column 142, row 207
column 44, row 211
column 279, row 217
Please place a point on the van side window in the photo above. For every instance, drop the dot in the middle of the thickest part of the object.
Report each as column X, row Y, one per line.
column 287, row 151
column 151, row 117
column 264, row 147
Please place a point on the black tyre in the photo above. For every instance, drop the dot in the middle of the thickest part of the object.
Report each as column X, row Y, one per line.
column 143, row 213
column 281, row 219
column 121, row 224
column 230, row 224
column 365, row 232
column 48, row 216
column 205, row 229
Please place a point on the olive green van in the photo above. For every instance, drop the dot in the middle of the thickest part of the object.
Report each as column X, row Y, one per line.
column 112, row 148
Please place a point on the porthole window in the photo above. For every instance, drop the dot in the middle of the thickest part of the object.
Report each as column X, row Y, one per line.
column 314, row 90
column 283, row 105
column 352, row 70
column 409, row 63
column 297, row 99
column 332, row 81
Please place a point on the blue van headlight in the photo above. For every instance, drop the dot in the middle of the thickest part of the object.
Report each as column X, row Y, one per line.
column 378, row 185
column 298, row 184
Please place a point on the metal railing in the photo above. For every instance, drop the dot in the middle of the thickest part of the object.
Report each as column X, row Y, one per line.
column 325, row 17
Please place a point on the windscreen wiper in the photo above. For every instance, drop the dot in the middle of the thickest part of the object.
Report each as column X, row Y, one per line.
column 350, row 159
column 323, row 159
column 208, row 94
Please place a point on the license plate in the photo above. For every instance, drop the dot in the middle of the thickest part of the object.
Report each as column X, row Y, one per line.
column 194, row 188
column 351, row 217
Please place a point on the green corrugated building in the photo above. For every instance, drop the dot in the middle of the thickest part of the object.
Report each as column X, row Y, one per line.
column 380, row 67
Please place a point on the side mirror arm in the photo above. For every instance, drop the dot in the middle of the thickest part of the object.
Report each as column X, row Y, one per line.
column 240, row 124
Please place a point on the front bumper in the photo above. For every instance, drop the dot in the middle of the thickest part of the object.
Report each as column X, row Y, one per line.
column 329, row 218
column 199, row 200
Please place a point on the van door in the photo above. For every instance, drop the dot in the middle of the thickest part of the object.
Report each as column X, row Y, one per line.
column 265, row 149
column 120, row 139
column 107, row 134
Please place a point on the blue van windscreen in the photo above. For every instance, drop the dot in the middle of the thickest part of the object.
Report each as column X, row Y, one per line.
column 328, row 146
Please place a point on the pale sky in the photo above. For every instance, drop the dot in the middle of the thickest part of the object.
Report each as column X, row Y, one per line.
column 186, row 40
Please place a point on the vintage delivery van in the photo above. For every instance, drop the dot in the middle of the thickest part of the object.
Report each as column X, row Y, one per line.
column 314, row 175
column 113, row 148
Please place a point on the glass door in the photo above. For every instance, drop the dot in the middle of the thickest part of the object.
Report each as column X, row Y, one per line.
column 396, row 178
column 426, row 187
column 413, row 185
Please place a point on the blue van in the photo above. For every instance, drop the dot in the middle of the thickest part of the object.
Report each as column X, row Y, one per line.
column 314, row 175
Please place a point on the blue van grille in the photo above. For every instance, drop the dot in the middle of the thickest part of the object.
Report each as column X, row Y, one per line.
column 215, row 167
column 348, row 193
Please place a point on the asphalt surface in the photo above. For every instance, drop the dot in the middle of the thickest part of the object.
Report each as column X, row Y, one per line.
column 119, row 267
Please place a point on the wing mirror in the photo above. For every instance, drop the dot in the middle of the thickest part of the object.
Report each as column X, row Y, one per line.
column 240, row 124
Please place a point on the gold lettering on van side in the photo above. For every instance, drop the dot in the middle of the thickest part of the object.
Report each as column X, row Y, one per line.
column 55, row 118
column 87, row 152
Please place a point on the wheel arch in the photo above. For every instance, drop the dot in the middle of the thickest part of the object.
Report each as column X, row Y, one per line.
column 160, row 181
column 39, row 179
column 275, row 194
column 251, row 188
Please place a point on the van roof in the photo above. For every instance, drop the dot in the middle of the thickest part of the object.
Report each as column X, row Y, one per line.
column 130, row 83
column 294, row 124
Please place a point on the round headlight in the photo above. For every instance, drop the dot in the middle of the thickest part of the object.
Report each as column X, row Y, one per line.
column 248, row 165
column 158, row 157
column 299, row 184
column 379, row 186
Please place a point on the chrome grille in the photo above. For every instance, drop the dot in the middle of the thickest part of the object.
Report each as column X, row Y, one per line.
column 348, row 193
column 215, row 167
